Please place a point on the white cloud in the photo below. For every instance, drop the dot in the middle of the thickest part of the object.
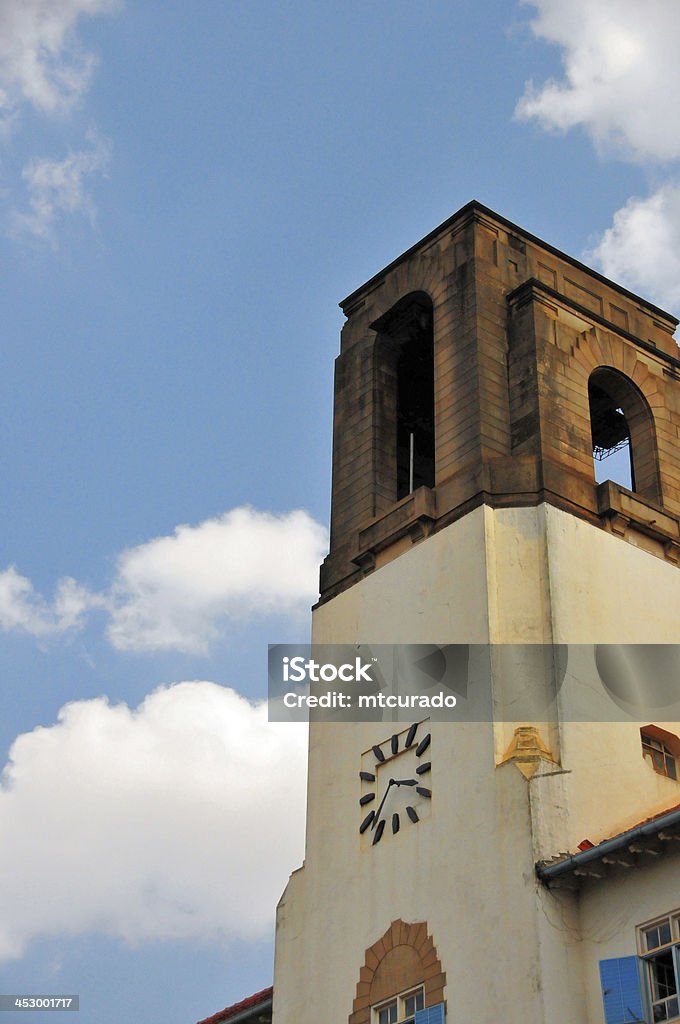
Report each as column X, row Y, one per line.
column 57, row 187
column 176, row 591
column 44, row 67
column 41, row 61
column 179, row 819
column 621, row 80
column 642, row 247
column 621, row 73
column 22, row 610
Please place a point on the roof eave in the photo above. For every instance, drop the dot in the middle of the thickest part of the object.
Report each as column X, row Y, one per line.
column 549, row 872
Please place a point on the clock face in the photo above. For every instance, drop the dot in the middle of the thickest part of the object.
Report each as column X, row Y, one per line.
column 396, row 787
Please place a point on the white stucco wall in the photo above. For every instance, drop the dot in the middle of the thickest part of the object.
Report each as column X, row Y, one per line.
column 509, row 950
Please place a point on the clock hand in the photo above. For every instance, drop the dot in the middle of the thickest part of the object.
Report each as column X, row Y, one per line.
column 382, row 803
column 405, row 782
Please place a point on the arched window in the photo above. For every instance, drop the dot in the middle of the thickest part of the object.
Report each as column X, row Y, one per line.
column 406, row 332
column 623, row 437
column 611, row 437
column 660, row 748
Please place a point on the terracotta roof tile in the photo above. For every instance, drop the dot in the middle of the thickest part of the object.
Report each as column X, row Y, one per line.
column 630, row 828
column 588, row 852
column 246, row 1004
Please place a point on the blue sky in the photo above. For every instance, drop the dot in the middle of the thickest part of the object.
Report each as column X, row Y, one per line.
column 186, row 192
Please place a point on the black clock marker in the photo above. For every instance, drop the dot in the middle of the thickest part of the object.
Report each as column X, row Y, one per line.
column 366, row 822
column 392, row 749
column 423, row 745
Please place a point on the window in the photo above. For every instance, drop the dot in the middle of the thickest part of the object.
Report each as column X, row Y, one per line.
column 659, row 944
column 400, row 1010
column 659, row 747
column 611, row 439
column 415, row 407
column 650, row 979
column 623, row 436
column 405, row 440
column 388, row 1014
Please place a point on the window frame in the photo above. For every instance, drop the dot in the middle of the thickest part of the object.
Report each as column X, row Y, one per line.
column 664, row 745
column 649, row 955
column 625, row 396
column 399, row 1001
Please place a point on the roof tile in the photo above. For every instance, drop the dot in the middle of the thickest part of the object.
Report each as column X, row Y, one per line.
column 231, row 1011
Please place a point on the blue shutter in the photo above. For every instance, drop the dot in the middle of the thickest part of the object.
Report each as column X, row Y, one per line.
column 620, row 980
column 432, row 1015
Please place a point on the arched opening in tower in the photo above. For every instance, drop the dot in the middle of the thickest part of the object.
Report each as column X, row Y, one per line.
column 415, row 399
column 611, row 438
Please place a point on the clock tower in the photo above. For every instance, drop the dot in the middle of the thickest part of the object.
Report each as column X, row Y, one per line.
column 483, row 378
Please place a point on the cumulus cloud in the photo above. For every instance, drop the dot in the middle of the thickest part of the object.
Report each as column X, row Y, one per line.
column 621, row 74
column 179, row 591
column 621, row 77
column 22, row 610
column 176, row 591
column 41, row 61
column 179, row 819
column 44, row 68
column 642, row 247
column 58, row 187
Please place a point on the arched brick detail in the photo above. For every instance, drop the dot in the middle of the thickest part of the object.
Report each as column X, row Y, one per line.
column 596, row 350
column 641, row 388
column 404, row 957
column 398, row 970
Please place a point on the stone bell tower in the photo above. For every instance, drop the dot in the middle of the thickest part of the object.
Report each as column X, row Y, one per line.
column 478, row 375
